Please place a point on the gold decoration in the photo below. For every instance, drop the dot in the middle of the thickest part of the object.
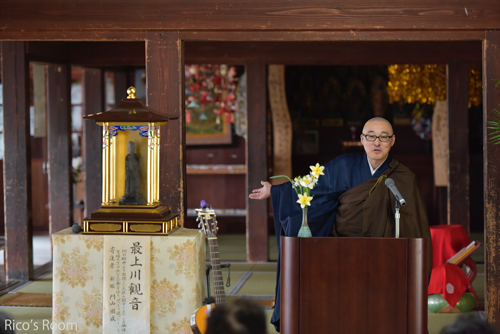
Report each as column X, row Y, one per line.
column 475, row 86
column 151, row 228
column 99, row 226
column 130, row 172
column 107, row 227
column 427, row 84
column 131, row 92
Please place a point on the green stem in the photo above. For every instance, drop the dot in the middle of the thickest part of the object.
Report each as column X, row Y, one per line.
column 276, row 176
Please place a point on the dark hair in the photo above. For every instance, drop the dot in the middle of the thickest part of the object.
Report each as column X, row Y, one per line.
column 241, row 316
column 469, row 325
column 6, row 323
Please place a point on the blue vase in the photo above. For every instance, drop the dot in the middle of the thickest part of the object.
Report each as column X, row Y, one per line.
column 304, row 231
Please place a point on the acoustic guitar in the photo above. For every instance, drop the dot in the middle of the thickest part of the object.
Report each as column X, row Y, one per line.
column 208, row 224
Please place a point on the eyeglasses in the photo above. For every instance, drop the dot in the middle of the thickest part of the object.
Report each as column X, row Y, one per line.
column 381, row 138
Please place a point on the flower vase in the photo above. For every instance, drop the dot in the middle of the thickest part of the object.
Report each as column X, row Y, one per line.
column 304, row 231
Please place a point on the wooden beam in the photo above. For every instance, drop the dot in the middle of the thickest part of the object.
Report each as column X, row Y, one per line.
column 316, row 15
column 458, row 143
column 59, row 147
column 491, row 101
column 130, row 54
column 260, row 35
column 332, row 53
column 334, row 35
column 74, row 35
column 256, row 161
column 93, row 102
column 108, row 54
column 17, row 163
column 165, row 95
column 48, row 52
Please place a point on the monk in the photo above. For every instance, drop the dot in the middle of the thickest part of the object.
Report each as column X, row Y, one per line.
column 351, row 199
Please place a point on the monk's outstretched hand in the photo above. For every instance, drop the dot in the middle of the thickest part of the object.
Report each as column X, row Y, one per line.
column 261, row 193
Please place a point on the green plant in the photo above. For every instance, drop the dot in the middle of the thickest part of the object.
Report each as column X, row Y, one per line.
column 494, row 122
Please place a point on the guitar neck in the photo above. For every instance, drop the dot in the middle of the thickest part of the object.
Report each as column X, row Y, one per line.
column 219, row 294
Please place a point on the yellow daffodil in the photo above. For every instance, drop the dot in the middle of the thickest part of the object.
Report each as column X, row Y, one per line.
column 317, row 170
column 304, row 200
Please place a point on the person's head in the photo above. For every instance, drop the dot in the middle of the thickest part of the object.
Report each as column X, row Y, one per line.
column 131, row 147
column 7, row 323
column 241, row 316
column 377, row 138
column 469, row 325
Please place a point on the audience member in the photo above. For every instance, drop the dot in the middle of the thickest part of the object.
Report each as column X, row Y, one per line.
column 241, row 316
column 469, row 325
column 6, row 323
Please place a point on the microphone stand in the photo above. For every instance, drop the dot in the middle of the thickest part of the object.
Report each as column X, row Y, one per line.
column 397, row 215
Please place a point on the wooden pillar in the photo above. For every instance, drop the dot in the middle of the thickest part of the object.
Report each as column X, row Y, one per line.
column 120, row 85
column 93, row 102
column 165, row 95
column 17, row 163
column 256, row 160
column 458, row 143
column 491, row 100
column 59, row 147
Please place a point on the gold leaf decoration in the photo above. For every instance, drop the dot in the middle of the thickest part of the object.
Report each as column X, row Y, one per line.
column 427, row 84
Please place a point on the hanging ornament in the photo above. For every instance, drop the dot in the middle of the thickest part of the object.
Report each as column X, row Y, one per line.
column 193, row 105
column 223, row 70
column 203, row 116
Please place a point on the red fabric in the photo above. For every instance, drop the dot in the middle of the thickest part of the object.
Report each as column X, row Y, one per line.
column 446, row 278
column 450, row 281
column 447, row 240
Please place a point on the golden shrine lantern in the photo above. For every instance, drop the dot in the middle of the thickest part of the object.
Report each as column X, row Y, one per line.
column 131, row 172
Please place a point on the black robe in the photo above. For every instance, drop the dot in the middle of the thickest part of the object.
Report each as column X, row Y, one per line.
column 341, row 174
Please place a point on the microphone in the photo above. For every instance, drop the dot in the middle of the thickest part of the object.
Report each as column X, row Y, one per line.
column 390, row 184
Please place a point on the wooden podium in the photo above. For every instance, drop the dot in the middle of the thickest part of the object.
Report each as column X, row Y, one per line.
column 353, row 285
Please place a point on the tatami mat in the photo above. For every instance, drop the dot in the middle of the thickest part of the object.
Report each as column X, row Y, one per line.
column 232, row 247
column 478, row 255
column 27, row 299
column 271, row 267
column 35, row 319
column 259, row 283
column 38, row 286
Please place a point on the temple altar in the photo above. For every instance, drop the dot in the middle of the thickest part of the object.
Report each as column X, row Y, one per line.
column 175, row 279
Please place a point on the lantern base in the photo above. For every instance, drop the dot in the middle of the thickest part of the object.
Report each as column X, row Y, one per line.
column 155, row 220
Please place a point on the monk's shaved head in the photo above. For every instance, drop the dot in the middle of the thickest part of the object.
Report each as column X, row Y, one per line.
column 377, row 139
column 377, row 119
